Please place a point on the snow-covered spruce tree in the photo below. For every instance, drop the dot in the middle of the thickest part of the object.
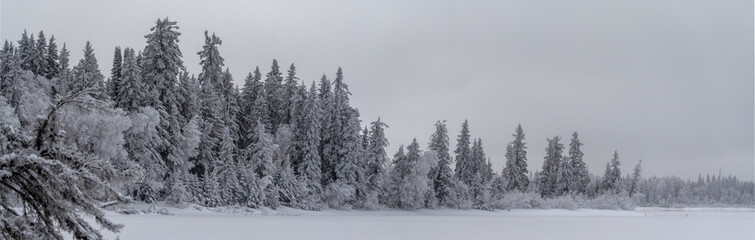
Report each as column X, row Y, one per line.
column 465, row 170
column 250, row 91
column 409, row 177
column 161, row 63
column 441, row 174
column 131, row 94
column 479, row 189
column 327, row 124
column 47, row 183
column 52, row 59
column 634, row 180
column 275, row 95
column 564, row 177
column 64, row 62
column 345, row 147
column 515, row 171
column 289, row 189
column 115, row 73
column 262, row 155
column 612, row 177
column 581, row 177
column 190, row 102
column 26, row 48
column 290, row 91
column 87, row 75
column 38, row 59
column 377, row 158
column 304, row 149
column 11, row 74
column 548, row 176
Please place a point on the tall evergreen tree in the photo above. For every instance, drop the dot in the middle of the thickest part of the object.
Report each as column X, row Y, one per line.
column 130, row 95
column 87, row 75
column 290, row 90
column 25, row 50
column 304, row 148
column 564, row 177
column 441, row 174
column 247, row 118
column 39, row 57
column 580, row 175
column 115, row 73
column 347, row 144
column 52, row 59
column 327, row 123
column 515, row 171
column 64, row 67
column 465, row 165
column 275, row 94
column 612, row 176
column 377, row 158
column 548, row 176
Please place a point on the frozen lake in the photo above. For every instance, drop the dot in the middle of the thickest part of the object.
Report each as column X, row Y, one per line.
column 443, row 224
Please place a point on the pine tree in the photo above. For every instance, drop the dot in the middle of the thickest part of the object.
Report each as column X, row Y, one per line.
column 441, row 174
column 548, row 176
column 580, row 175
column 515, row 171
column 115, row 73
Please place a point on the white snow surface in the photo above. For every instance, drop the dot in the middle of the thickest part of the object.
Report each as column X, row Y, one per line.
column 285, row 223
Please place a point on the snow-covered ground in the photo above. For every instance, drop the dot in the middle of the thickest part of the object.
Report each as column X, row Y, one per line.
column 644, row 223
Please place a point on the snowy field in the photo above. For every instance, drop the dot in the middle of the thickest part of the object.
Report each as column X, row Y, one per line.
column 644, row 223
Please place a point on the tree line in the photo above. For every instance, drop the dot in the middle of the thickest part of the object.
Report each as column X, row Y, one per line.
column 72, row 141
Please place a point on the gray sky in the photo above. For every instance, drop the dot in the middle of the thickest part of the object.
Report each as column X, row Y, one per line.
column 669, row 82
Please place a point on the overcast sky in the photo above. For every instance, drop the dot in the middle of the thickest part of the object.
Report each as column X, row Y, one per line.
column 668, row 82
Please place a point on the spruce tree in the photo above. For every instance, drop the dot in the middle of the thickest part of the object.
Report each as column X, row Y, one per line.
column 465, row 165
column 377, row 158
column 251, row 90
column 305, row 145
column 515, row 171
column 612, row 176
column 52, row 59
column 87, row 75
column 548, row 176
column 130, row 95
column 441, row 174
column 39, row 57
column 580, row 175
column 115, row 73
column 275, row 95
